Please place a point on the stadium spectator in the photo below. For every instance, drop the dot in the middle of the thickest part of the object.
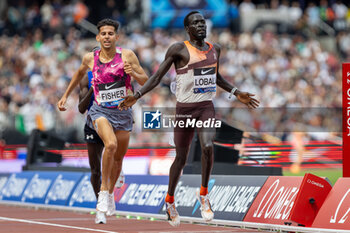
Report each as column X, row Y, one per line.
column 284, row 70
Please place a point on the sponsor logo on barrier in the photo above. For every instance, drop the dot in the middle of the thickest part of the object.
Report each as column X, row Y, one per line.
column 230, row 196
column 275, row 201
column 15, row 186
column 335, row 211
column 334, row 218
column 3, row 180
column 62, row 188
column 233, row 198
column 37, row 188
column 83, row 195
column 142, row 194
column 346, row 119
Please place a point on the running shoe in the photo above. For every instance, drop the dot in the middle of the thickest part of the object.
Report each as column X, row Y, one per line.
column 111, row 205
column 206, row 211
column 173, row 215
column 121, row 180
column 100, row 218
column 102, row 201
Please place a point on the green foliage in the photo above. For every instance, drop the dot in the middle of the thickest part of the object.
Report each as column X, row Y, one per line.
column 331, row 173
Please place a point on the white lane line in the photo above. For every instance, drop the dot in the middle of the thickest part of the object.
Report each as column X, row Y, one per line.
column 54, row 225
column 204, row 231
column 64, row 219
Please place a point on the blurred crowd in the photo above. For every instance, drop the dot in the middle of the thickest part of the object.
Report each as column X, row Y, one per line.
column 283, row 70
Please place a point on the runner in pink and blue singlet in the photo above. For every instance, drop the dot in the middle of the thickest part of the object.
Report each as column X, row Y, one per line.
column 110, row 81
column 110, row 84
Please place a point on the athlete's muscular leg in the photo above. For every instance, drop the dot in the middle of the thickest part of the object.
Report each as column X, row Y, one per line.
column 206, row 138
column 95, row 152
column 182, row 140
column 106, row 133
column 123, row 143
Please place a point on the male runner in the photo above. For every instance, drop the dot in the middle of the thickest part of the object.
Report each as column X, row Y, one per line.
column 197, row 68
column 112, row 70
column 95, row 148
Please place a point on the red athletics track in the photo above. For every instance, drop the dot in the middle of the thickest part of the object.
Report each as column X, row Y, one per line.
column 29, row 220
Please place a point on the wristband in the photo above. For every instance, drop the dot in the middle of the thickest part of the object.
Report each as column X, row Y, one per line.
column 140, row 94
column 234, row 89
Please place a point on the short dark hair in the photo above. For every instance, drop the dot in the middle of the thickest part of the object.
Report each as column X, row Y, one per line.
column 186, row 23
column 108, row 22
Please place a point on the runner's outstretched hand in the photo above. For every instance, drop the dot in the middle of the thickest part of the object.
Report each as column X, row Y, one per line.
column 247, row 99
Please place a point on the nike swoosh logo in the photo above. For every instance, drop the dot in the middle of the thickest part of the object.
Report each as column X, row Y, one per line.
column 107, row 87
column 206, row 71
column 113, row 65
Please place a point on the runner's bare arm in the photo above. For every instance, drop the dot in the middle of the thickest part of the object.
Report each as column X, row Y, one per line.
column 244, row 97
column 171, row 55
column 220, row 81
column 79, row 74
column 132, row 66
column 84, row 94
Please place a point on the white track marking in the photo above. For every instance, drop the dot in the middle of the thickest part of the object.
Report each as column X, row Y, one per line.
column 54, row 225
column 64, row 219
column 211, row 231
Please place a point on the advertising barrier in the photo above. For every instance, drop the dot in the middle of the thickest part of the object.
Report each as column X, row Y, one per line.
column 335, row 211
column 308, row 201
column 63, row 187
column 142, row 194
column 83, row 195
column 289, row 200
column 275, row 200
column 38, row 187
column 3, row 180
column 230, row 196
column 346, row 119
column 15, row 186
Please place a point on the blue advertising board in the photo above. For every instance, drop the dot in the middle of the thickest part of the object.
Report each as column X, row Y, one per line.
column 142, row 194
column 15, row 186
column 171, row 13
column 63, row 187
column 230, row 196
column 83, row 195
column 38, row 187
column 3, row 180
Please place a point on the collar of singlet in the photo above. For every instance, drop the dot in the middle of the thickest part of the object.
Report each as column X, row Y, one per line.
column 206, row 51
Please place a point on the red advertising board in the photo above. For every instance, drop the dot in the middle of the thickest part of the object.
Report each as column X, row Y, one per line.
column 346, row 119
column 275, row 200
column 313, row 192
column 335, row 211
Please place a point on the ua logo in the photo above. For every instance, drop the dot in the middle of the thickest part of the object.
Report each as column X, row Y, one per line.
column 89, row 136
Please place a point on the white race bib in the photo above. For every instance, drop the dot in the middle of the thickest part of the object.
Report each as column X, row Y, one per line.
column 204, row 80
column 111, row 93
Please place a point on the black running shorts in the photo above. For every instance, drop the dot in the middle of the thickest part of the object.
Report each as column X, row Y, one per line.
column 90, row 135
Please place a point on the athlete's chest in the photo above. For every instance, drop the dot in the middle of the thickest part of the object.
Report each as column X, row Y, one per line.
column 114, row 68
